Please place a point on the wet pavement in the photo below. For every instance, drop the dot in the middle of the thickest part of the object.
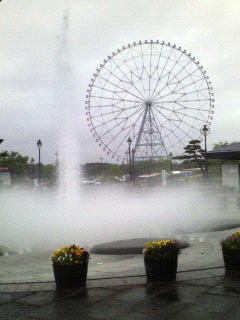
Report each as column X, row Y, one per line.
column 207, row 294
column 117, row 287
column 204, row 252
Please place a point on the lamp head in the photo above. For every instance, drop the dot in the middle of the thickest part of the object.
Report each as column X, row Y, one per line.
column 39, row 144
column 129, row 140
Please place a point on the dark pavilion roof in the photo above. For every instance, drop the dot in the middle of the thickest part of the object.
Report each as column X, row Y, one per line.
column 232, row 151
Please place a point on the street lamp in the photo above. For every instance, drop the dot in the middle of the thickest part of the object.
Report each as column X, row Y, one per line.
column 170, row 158
column 101, row 166
column 32, row 169
column 133, row 165
column 56, row 159
column 205, row 130
column 129, row 141
column 39, row 145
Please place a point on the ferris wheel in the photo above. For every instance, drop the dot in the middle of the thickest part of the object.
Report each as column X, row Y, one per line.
column 153, row 92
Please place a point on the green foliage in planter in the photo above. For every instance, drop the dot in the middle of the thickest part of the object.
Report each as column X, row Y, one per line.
column 232, row 243
column 161, row 250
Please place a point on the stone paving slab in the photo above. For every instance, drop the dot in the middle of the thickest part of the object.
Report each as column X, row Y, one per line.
column 198, row 295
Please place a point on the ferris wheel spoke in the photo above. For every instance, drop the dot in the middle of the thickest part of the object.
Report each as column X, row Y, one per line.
column 166, row 128
column 176, row 62
column 143, row 64
column 150, row 74
column 182, row 94
column 192, row 100
column 184, row 114
column 109, row 98
column 131, row 82
column 116, row 85
column 107, row 90
column 114, row 105
column 187, row 76
column 132, row 127
column 135, row 64
column 118, row 123
column 115, row 111
column 121, row 130
column 175, row 91
column 193, row 91
column 191, row 108
column 187, row 124
column 160, row 77
column 123, row 139
column 108, row 121
column 192, row 83
column 178, row 99
column 131, row 73
column 139, row 77
column 175, row 76
column 173, row 122
column 159, row 57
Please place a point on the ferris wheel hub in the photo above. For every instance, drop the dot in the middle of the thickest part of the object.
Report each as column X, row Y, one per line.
column 149, row 103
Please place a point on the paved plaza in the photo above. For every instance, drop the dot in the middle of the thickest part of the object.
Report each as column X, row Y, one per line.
column 206, row 294
column 117, row 288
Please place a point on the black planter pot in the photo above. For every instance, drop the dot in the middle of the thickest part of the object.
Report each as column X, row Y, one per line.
column 162, row 270
column 70, row 276
column 231, row 260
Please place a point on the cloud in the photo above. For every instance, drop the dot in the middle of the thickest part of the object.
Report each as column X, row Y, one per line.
column 30, row 31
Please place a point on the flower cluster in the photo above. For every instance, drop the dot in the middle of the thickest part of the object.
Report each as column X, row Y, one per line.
column 232, row 243
column 161, row 249
column 70, row 255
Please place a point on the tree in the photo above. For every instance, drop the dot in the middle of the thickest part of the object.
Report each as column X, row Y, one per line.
column 194, row 153
column 220, row 145
column 23, row 168
column 49, row 173
column 17, row 164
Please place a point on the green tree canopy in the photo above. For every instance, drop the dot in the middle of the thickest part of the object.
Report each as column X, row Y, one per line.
column 193, row 153
column 222, row 144
column 17, row 163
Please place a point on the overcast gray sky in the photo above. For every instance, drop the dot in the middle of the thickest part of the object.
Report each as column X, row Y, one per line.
column 29, row 31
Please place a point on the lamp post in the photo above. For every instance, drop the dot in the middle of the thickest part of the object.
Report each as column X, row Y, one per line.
column 32, row 169
column 101, row 166
column 129, row 141
column 133, row 165
column 39, row 145
column 170, row 158
column 205, row 130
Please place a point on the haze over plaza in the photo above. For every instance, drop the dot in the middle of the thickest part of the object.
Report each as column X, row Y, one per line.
column 29, row 38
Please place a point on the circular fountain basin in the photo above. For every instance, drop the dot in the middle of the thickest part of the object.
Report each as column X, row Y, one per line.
column 129, row 246
column 208, row 225
column 135, row 246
